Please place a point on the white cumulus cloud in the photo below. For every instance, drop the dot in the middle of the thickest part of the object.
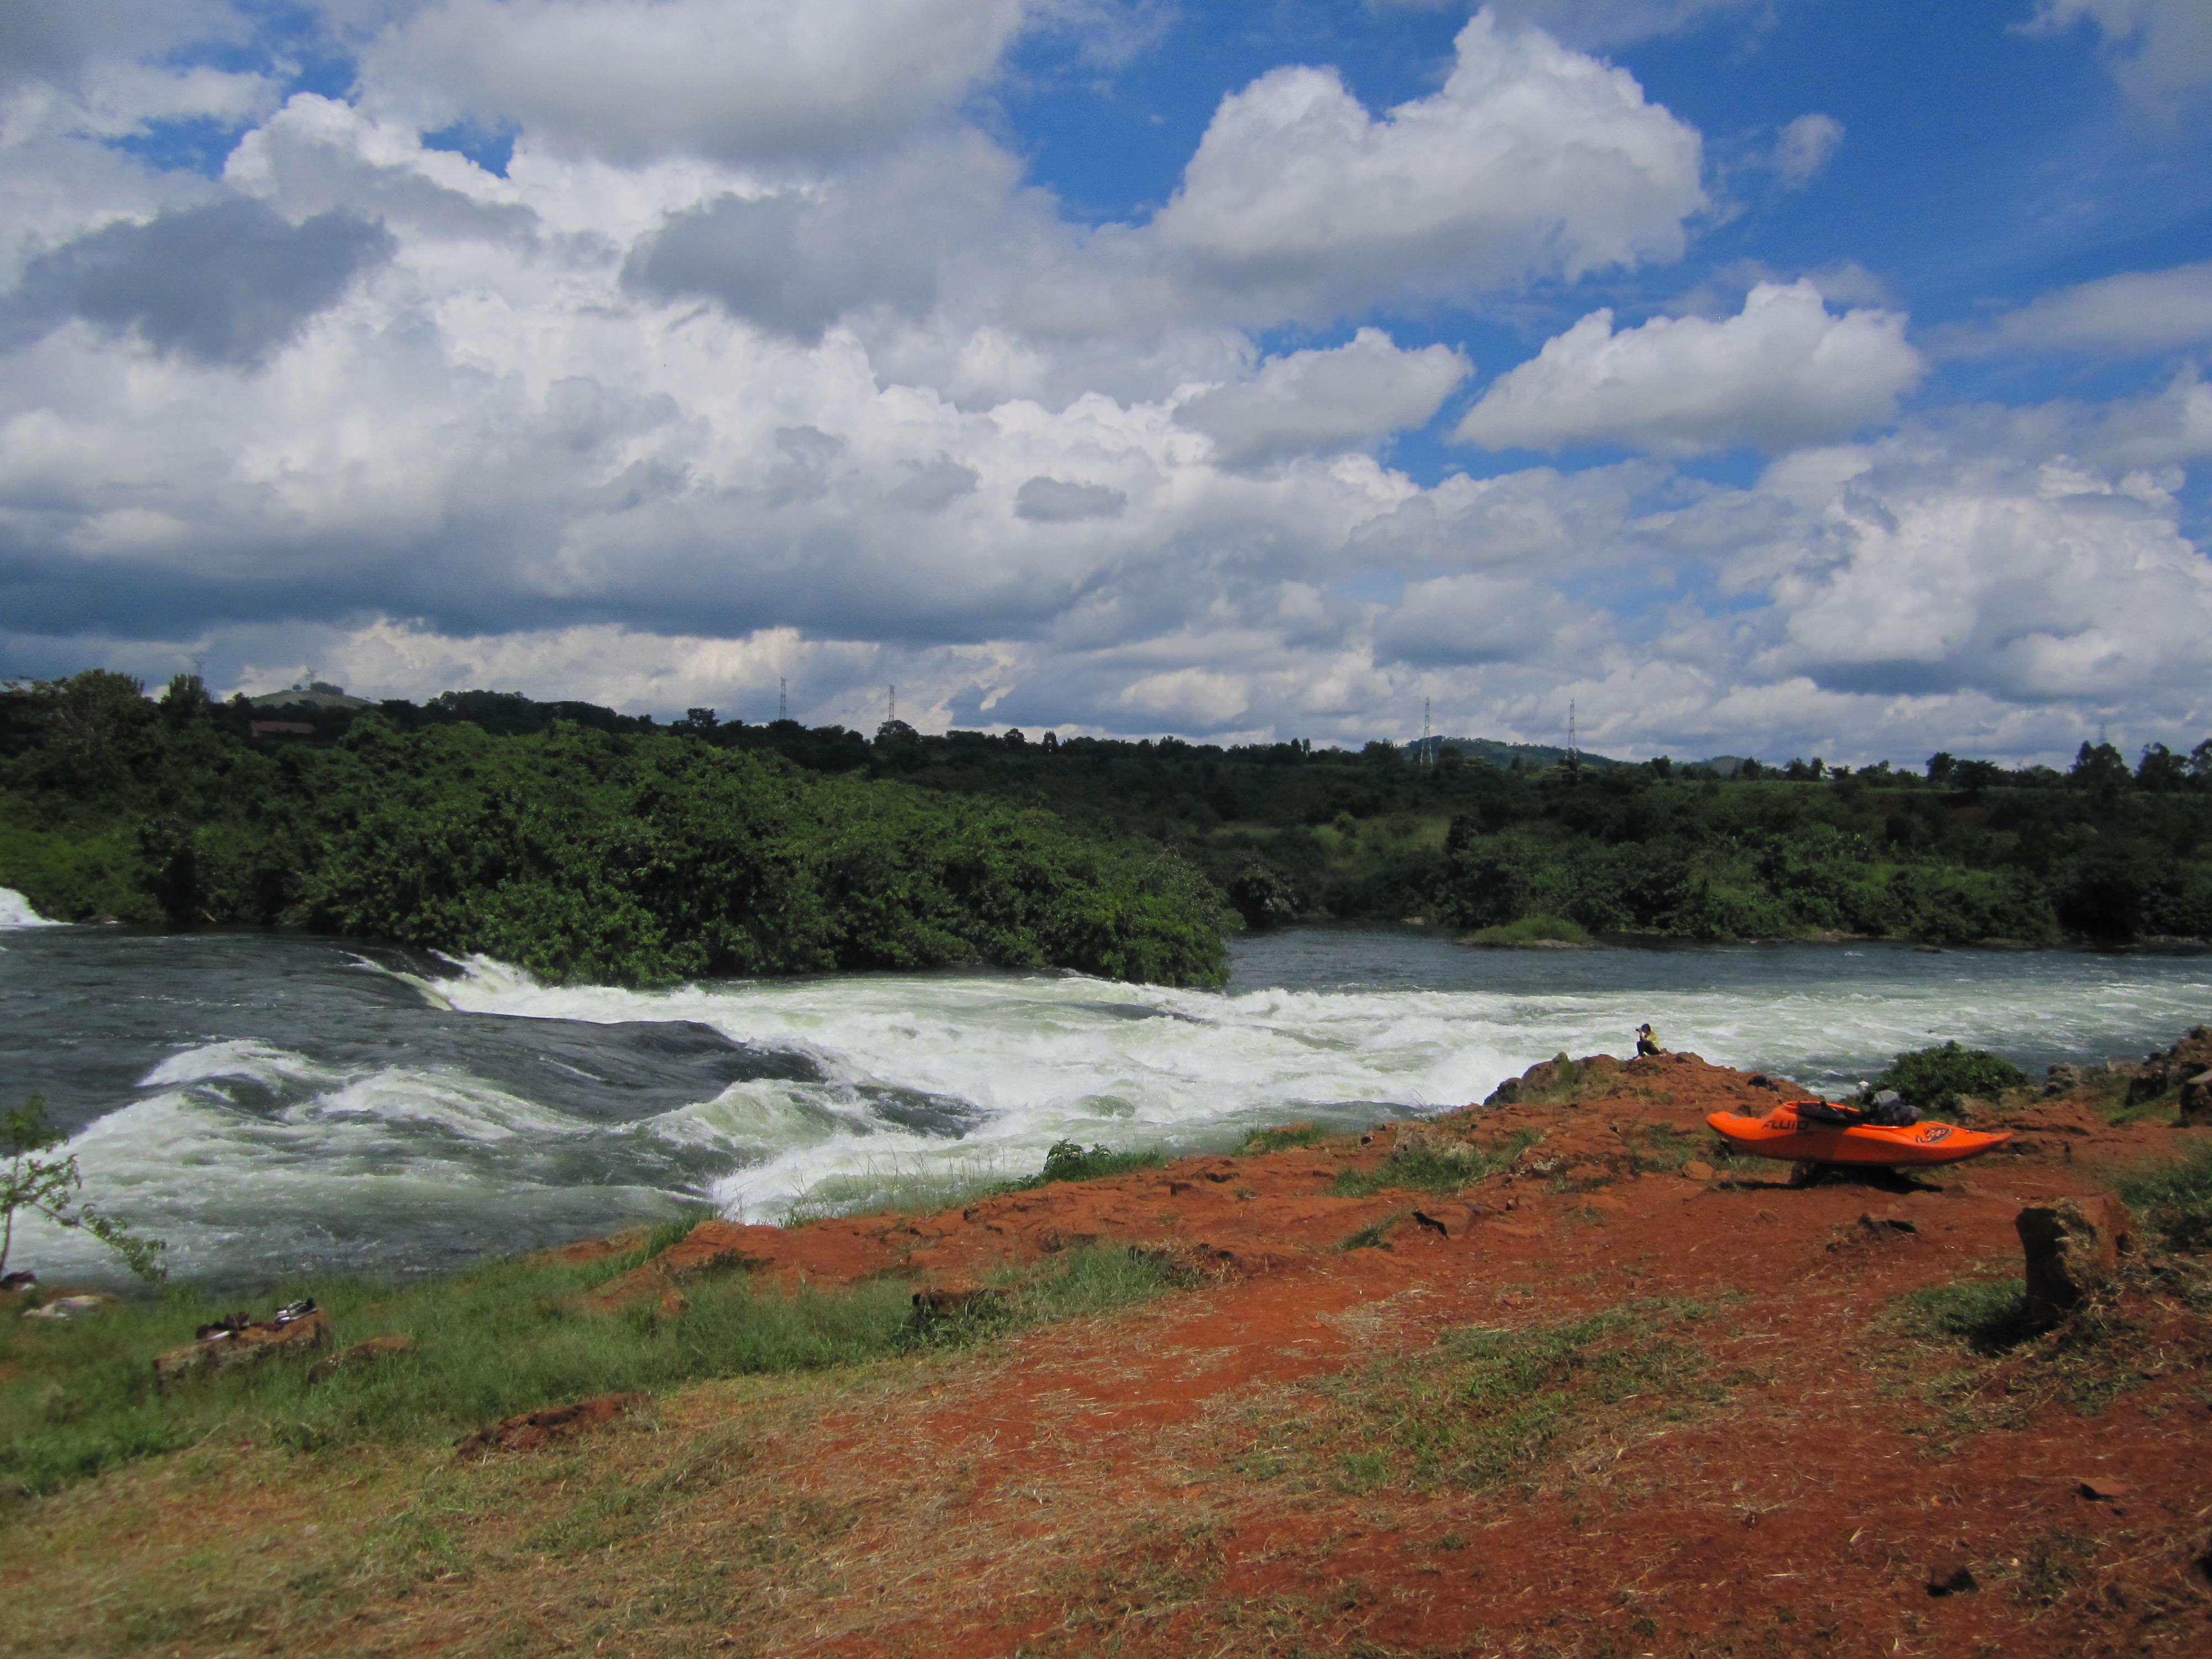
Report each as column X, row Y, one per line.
column 1805, row 146
column 2135, row 312
column 1780, row 373
column 1533, row 161
column 630, row 80
column 2160, row 50
column 1321, row 402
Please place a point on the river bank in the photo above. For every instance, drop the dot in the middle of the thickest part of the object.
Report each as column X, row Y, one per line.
column 280, row 1105
column 1369, row 1401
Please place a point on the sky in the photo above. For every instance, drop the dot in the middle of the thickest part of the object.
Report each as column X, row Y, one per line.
column 1770, row 377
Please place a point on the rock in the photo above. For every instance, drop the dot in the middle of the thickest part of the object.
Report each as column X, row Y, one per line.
column 1885, row 1225
column 1698, row 1170
column 69, row 1307
column 247, row 1345
column 1452, row 1220
column 528, row 1431
column 360, row 1353
column 2101, row 1490
column 18, row 1281
column 2195, row 1101
column 2063, row 1079
column 1952, row 1581
column 2072, row 1248
column 2169, row 1068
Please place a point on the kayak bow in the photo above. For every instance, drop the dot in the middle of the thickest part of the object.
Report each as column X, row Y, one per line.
column 1783, row 1134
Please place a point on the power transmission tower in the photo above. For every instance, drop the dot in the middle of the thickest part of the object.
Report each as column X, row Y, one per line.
column 1574, row 754
column 1427, row 759
column 782, row 698
column 890, row 702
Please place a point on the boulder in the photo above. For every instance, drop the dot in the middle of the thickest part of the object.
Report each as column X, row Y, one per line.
column 69, row 1307
column 2169, row 1068
column 248, row 1345
column 2196, row 1100
column 2072, row 1249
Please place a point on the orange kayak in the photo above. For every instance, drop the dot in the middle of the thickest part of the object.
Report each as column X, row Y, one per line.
column 1781, row 1134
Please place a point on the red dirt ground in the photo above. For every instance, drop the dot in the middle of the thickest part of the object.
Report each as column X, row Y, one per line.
column 1810, row 1511
column 1184, row 1478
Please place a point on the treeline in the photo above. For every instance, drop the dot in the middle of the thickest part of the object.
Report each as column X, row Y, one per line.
column 1955, row 851
column 578, row 850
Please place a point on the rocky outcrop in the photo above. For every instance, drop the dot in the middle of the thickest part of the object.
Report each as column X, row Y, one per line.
column 235, row 1341
column 2170, row 1068
column 2073, row 1250
column 2196, row 1099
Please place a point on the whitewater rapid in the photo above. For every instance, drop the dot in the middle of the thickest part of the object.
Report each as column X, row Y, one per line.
column 273, row 1104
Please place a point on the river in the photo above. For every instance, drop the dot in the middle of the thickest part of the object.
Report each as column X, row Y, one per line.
column 273, row 1104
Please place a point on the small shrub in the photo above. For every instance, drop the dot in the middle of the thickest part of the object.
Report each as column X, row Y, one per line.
column 1066, row 1160
column 2174, row 1201
column 1531, row 929
column 1933, row 1079
column 1262, row 1141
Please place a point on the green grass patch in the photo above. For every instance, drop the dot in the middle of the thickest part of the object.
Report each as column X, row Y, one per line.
column 505, row 1337
column 1969, row 1354
column 1262, row 1141
column 1372, row 1237
column 1989, row 1315
column 1530, row 930
column 1440, row 1174
column 912, row 1187
column 1486, row 1407
column 1066, row 1160
column 1657, row 1147
column 2174, row 1201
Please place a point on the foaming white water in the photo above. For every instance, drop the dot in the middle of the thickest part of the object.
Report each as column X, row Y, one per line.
column 1048, row 1057
column 16, row 911
column 1040, row 1059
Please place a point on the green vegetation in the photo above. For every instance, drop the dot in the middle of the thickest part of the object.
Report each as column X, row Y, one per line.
column 1486, row 1407
column 2174, row 1201
column 577, row 853
column 1935, row 1079
column 1262, row 1141
column 591, row 844
column 38, row 1185
column 1440, row 1173
column 1989, row 1315
column 1066, row 1160
column 507, row 1337
column 1530, row 930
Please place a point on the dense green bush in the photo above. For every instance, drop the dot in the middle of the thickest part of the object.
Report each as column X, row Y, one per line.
column 1934, row 1079
column 580, row 853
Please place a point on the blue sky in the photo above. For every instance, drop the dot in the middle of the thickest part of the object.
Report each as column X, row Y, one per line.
column 1760, row 376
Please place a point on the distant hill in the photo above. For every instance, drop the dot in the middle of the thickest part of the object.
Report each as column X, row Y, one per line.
column 318, row 694
column 1535, row 757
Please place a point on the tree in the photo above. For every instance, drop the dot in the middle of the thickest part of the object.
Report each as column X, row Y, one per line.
column 49, row 1187
column 2162, row 771
column 1939, row 765
column 2101, row 771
